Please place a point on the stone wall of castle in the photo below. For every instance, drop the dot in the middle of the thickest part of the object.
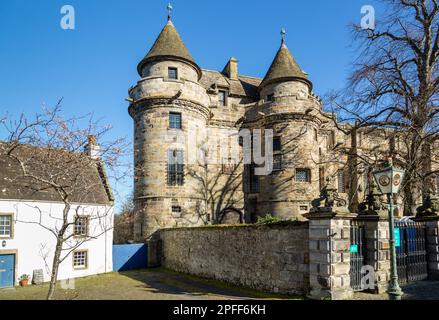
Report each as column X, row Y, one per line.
column 270, row 258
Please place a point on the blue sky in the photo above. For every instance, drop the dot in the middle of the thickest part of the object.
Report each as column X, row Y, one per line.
column 93, row 66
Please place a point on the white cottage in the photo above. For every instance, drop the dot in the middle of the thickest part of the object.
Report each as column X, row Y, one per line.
column 31, row 213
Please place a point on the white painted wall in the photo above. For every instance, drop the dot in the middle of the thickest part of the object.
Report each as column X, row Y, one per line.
column 33, row 242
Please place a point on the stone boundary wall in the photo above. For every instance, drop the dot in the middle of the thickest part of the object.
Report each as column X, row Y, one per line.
column 272, row 258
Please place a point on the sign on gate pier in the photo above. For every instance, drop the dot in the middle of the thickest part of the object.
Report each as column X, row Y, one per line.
column 397, row 237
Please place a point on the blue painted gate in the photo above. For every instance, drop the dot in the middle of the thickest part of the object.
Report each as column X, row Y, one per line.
column 7, row 270
column 129, row 257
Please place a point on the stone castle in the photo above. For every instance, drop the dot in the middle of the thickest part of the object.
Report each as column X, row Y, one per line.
column 175, row 100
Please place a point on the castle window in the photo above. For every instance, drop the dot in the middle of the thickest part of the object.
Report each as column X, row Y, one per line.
column 228, row 166
column 316, row 135
column 277, row 145
column 175, row 120
column 277, row 162
column 175, row 168
column 222, row 98
column 270, row 97
column 176, row 209
column 172, row 73
column 437, row 184
column 253, row 180
column 303, row 175
column 341, row 181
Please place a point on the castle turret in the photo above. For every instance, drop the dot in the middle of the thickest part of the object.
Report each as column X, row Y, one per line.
column 284, row 79
column 170, row 109
column 289, row 108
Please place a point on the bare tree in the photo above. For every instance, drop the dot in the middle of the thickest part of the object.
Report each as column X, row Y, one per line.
column 394, row 87
column 220, row 188
column 124, row 222
column 48, row 153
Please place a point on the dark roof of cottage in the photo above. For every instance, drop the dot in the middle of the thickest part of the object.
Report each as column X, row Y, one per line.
column 83, row 178
column 244, row 87
column 169, row 45
column 284, row 68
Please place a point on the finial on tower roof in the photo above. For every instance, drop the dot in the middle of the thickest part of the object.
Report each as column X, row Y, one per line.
column 169, row 7
column 283, row 32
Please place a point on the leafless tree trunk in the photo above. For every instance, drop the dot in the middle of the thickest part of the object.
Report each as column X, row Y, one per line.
column 49, row 152
column 394, row 86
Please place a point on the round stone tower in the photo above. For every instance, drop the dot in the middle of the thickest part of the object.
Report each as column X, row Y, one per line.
column 170, row 109
column 289, row 108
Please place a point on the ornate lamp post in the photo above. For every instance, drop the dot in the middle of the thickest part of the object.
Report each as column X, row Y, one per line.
column 389, row 181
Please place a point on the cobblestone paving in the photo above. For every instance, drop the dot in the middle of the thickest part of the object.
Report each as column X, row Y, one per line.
column 423, row 290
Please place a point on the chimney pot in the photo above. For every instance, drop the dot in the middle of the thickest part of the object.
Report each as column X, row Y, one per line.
column 92, row 149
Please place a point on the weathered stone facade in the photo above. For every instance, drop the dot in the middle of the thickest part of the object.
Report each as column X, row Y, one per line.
column 270, row 258
column 214, row 106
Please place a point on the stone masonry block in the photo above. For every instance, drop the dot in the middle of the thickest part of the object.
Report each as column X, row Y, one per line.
column 319, row 257
column 340, row 269
column 318, row 233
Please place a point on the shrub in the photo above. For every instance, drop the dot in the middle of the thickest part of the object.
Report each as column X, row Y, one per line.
column 268, row 219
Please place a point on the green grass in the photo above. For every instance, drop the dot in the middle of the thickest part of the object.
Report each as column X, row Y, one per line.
column 150, row 284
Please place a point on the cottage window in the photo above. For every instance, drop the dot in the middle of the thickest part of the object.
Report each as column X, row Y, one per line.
column 6, row 226
column 303, row 175
column 175, row 120
column 173, row 73
column 175, row 168
column 222, row 98
column 80, row 259
column 341, row 181
column 81, row 227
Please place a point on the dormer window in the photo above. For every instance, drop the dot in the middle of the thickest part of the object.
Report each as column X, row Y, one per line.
column 173, row 73
column 222, row 98
column 270, row 97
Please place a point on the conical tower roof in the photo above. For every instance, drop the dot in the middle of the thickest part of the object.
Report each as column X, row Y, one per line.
column 169, row 46
column 284, row 68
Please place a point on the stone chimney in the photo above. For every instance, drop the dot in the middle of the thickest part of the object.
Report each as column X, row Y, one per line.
column 231, row 69
column 92, row 149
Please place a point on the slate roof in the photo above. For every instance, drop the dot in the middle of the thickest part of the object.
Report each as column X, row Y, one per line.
column 284, row 68
column 169, row 45
column 244, row 87
column 83, row 178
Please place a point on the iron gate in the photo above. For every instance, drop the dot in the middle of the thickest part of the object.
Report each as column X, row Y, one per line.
column 411, row 254
column 358, row 254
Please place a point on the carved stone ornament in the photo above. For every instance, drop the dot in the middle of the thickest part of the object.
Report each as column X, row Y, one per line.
column 329, row 200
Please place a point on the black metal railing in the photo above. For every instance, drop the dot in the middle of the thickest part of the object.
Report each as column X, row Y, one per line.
column 358, row 254
column 411, row 253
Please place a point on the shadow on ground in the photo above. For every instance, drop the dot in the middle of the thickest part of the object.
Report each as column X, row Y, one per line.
column 422, row 290
column 166, row 282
